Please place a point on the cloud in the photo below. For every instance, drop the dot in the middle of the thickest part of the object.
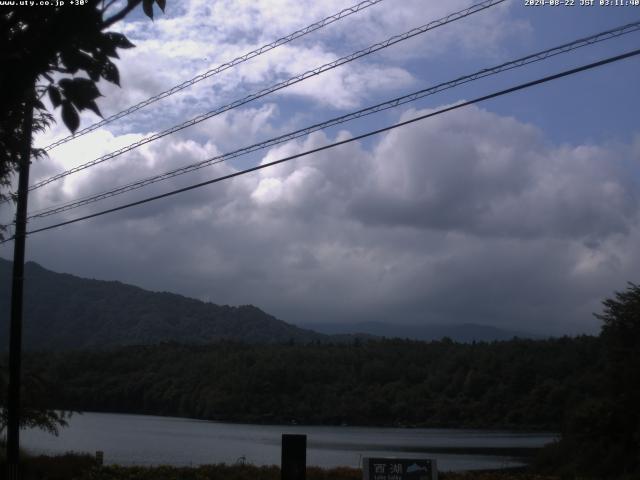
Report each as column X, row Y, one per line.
column 472, row 216
column 466, row 217
column 196, row 36
column 482, row 174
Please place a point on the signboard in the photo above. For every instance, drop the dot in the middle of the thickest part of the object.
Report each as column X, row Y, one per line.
column 399, row 469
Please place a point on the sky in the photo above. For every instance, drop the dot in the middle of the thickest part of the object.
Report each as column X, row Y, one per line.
column 521, row 212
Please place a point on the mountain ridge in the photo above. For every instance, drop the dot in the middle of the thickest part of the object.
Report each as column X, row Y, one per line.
column 64, row 311
column 464, row 332
column 67, row 312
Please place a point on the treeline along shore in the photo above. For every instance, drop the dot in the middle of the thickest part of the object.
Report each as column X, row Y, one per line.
column 517, row 384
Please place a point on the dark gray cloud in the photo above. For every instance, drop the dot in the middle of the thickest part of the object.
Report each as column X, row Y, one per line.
column 472, row 217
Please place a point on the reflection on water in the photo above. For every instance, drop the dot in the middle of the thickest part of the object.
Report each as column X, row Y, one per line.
column 148, row 440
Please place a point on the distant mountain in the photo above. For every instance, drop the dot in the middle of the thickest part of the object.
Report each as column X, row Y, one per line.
column 466, row 332
column 67, row 312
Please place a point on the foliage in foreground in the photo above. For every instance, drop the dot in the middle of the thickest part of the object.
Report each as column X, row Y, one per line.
column 601, row 434
column 83, row 467
column 51, row 51
column 42, row 467
column 249, row 472
column 34, row 411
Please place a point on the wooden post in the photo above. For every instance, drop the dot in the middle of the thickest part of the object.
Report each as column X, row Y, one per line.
column 15, row 333
column 294, row 457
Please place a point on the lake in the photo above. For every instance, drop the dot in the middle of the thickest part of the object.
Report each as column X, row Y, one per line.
column 149, row 440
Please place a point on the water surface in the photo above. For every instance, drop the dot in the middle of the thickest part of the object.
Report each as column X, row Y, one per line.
column 150, row 440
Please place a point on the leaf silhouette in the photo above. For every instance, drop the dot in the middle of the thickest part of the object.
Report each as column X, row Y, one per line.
column 70, row 116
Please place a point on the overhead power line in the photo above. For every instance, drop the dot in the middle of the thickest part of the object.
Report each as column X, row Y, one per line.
column 220, row 68
column 452, row 17
column 506, row 91
column 532, row 58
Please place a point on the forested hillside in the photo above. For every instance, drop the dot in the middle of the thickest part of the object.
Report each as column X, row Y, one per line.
column 514, row 384
column 67, row 312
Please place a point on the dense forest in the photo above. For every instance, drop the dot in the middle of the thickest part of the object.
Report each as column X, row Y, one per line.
column 521, row 384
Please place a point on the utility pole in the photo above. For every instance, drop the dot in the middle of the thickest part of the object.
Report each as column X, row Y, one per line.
column 15, row 333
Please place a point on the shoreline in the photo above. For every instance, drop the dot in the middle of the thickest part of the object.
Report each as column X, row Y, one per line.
column 84, row 467
column 288, row 424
